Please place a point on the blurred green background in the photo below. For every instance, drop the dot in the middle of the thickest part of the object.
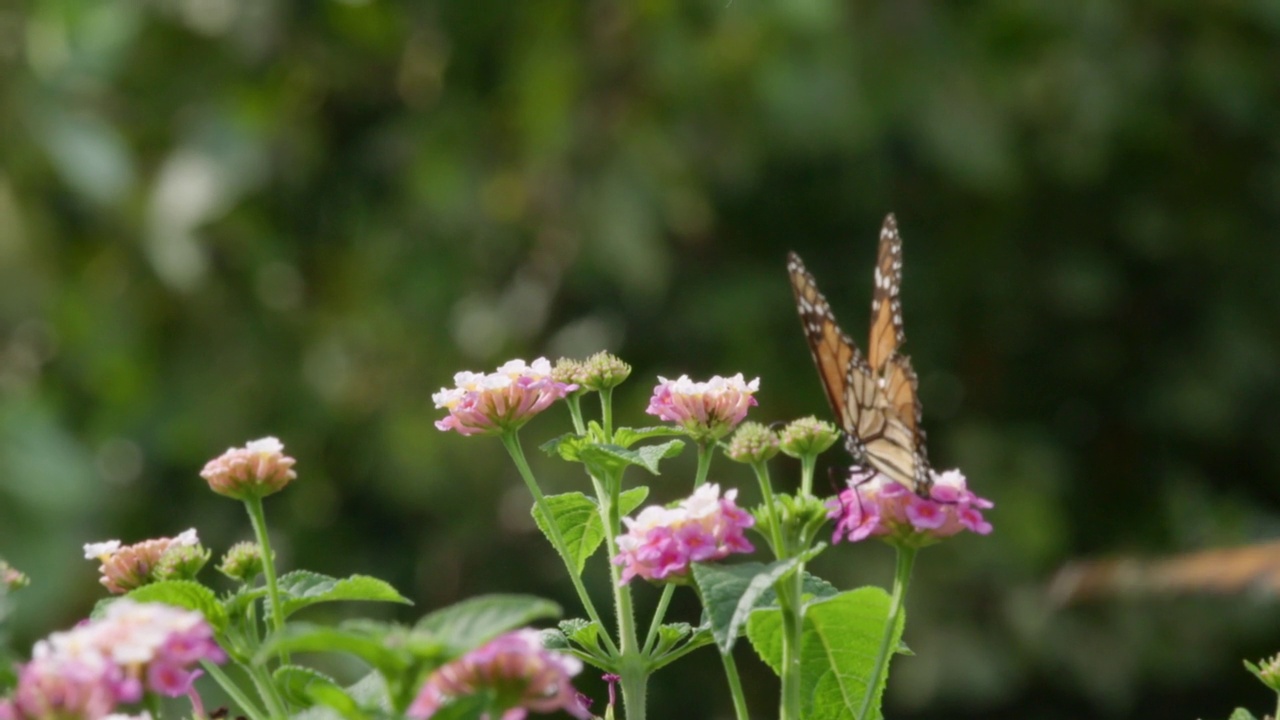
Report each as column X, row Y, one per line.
column 224, row 219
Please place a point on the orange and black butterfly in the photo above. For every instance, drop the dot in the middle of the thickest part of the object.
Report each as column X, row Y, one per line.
column 874, row 397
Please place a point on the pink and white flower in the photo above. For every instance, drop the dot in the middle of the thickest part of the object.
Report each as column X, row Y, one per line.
column 87, row 671
column 880, row 507
column 126, row 567
column 521, row 673
column 500, row 401
column 707, row 410
column 661, row 543
column 258, row 469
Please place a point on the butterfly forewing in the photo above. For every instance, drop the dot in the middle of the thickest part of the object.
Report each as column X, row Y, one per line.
column 886, row 333
column 833, row 351
column 874, row 398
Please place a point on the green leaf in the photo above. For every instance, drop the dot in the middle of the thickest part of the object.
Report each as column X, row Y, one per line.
column 608, row 460
column 306, row 687
column 477, row 620
column 301, row 589
column 239, row 601
column 583, row 633
column 567, row 446
column 670, row 635
column 578, row 518
column 814, row 589
column 1241, row 714
column 651, row 455
column 840, row 640
column 626, row 437
column 184, row 594
column 370, row 646
column 731, row 592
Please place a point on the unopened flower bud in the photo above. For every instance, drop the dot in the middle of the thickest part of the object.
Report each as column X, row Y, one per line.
column 808, row 436
column 569, row 372
column 258, row 469
column 752, row 443
column 242, row 562
column 181, row 562
column 603, row 371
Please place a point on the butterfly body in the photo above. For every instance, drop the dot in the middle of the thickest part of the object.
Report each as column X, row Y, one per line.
column 874, row 396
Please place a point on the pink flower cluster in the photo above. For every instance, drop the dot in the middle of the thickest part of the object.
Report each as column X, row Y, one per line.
column 480, row 404
column 125, row 567
column 708, row 410
column 880, row 507
column 521, row 673
column 258, row 469
column 87, row 671
column 661, row 542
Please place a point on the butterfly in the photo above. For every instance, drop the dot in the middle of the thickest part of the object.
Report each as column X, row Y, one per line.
column 874, row 397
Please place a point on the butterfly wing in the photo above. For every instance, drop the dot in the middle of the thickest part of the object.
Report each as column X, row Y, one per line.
column 837, row 358
column 887, row 334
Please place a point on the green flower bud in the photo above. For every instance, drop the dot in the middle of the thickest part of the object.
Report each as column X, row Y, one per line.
column 808, row 436
column 752, row 443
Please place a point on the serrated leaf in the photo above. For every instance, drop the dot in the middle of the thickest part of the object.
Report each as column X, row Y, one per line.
column 305, row 687
column 626, row 437
column 304, row 637
column 477, row 620
column 566, row 446
column 578, row 518
column 840, row 641
column 651, row 455
column 607, row 460
column 302, row 588
column 670, row 635
column 814, row 589
column 730, row 592
column 184, row 594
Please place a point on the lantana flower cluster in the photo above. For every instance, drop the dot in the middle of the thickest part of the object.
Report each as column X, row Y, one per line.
column 88, row 671
column 880, row 507
column 707, row 410
column 522, row 674
column 258, row 469
column 126, row 567
column 661, row 543
column 493, row 403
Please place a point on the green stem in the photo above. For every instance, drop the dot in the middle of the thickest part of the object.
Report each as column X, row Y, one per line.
column 780, row 551
column 573, row 400
column 704, row 464
column 633, row 667
column 606, row 412
column 511, row 441
column 659, row 615
column 267, row 689
column 901, row 580
column 807, row 463
column 735, row 687
column 634, row 682
column 258, row 518
column 792, row 624
column 232, row 689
